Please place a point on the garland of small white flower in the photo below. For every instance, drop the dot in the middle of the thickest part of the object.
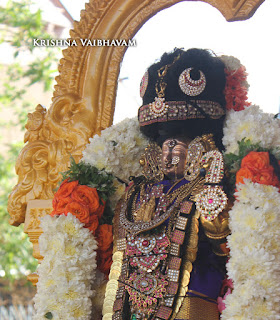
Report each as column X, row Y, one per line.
column 254, row 125
column 254, row 264
column 67, row 272
column 117, row 149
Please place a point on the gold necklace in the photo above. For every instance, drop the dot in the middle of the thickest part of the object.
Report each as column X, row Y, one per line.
column 140, row 226
column 169, row 196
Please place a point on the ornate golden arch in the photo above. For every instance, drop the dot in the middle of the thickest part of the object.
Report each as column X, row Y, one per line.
column 84, row 98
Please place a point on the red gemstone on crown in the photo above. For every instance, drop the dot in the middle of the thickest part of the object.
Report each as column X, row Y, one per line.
column 145, row 243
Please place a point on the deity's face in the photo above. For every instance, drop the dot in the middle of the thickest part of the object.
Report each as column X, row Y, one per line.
column 173, row 159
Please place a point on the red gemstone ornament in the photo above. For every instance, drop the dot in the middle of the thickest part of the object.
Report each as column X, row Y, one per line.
column 145, row 243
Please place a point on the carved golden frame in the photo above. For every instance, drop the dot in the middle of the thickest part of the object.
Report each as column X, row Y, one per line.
column 84, row 96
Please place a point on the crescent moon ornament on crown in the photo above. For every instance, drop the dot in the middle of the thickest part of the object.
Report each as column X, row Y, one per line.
column 144, row 84
column 189, row 86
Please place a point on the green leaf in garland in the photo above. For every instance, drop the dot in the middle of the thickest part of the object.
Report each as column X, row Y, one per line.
column 233, row 161
column 90, row 176
column 48, row 315
column 108, row 215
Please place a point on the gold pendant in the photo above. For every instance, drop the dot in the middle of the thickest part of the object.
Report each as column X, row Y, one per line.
column 146, row 212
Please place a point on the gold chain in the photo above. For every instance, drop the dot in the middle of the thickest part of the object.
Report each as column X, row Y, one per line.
column 160, row 85
column 181, row 193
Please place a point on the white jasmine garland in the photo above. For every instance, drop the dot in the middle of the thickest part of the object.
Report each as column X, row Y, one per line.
column 117, row 149
column 254, row 125
column 254, row 265
column 67, row 271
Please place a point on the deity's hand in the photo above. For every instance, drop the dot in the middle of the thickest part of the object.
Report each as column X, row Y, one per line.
column 217, row 230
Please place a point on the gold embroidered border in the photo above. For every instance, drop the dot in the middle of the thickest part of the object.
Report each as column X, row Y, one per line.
column 198, row 309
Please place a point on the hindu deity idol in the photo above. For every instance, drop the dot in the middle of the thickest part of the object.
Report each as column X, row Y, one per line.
column 171, row 225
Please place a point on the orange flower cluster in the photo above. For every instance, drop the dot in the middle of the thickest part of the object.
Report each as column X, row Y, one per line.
column 81, row 201
column 84, row 203
column 104, row 236
column 256, row 167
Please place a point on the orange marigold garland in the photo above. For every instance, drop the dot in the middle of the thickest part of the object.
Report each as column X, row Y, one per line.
column 256, row 167
column 76, row 195
column 81, row 201
column 104, row 235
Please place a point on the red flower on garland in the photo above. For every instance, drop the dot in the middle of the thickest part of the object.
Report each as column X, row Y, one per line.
column 235, row 90
column 256, row 167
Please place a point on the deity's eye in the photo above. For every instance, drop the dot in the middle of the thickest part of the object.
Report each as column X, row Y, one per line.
column 144, row 84
column 189, row 86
